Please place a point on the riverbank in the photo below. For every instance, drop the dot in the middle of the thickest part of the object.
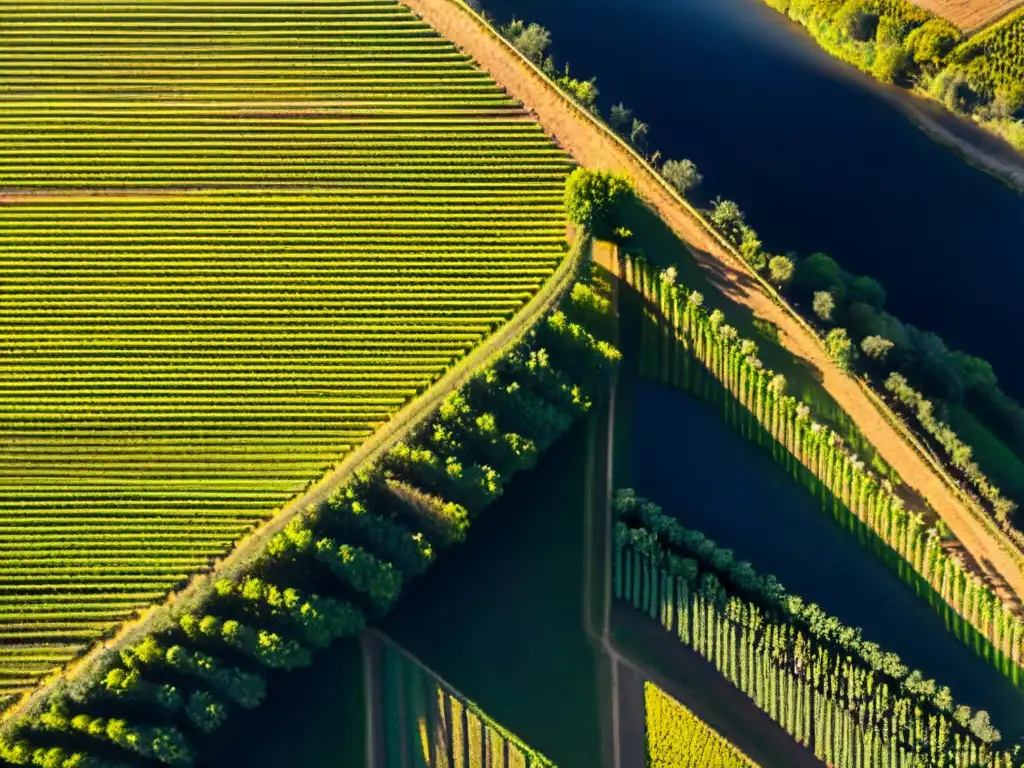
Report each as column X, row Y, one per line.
column 593, row 146
column 976, row 145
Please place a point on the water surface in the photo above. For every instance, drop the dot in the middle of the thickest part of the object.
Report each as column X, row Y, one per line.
column 817, row 158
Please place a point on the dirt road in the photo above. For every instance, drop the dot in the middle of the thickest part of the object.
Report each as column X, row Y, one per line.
column 595, row 147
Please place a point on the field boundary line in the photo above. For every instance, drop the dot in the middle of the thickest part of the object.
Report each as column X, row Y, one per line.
column 247, row 549
column 973, row 537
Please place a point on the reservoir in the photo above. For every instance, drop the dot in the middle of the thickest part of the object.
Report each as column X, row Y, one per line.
column 813, row 153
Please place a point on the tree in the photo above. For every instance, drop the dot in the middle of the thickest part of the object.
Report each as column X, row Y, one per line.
column 876, row 347
column 727, row 218
column 781, row 270
column 593, row 199
column 682, row 174
column 638, row 134
column 820, row 272
column 858, row 20
column 890, row 64
column 824, row 305
column 532, row 41
column 620, row 117
column 867, row 290
column 840, row 348
column 930, row 43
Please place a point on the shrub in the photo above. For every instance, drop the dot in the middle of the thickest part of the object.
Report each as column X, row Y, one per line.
column 682, row 174
column 781, row 269
column 593, row 199
column 824, row 305
column 840, row 348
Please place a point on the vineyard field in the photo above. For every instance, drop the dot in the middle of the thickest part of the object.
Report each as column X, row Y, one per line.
column 676, row 738
column 237, row 238
column 996, row 55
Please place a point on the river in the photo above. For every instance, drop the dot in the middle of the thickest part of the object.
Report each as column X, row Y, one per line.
column 815, row 153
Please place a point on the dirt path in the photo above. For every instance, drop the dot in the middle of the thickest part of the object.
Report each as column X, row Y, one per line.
column 593, row 146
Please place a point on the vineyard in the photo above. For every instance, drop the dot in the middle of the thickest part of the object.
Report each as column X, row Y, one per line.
column 995, row 56
column 428, row 723
column 238, row 237
column 676, row 738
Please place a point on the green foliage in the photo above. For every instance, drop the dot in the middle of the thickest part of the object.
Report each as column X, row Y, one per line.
column 778, row 649
column 593, row 199
column 932, row 42
column 682, row 174
column 840, row 348
column 824, row 305
column 205, row 712
column 676, row 738
column 584, row 91
column 781, row 269
column 620, row 117
column 876, row 347
column 957, row 452
column 532, row 40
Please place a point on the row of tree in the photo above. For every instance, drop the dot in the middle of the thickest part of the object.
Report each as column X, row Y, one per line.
column 332, row 569
column 844, row 697
column 691, row 338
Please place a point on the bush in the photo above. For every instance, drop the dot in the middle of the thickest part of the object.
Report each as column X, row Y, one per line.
column 824, row 305
column 593, row 199
column 876, row 347
column 840, row 348
column 781, row 270
column 682, row 174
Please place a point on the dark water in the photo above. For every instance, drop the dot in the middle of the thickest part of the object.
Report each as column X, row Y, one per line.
column 716, row 481
column 811, row 152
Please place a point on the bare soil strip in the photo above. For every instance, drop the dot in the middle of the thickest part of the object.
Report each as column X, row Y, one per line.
column 595, row 147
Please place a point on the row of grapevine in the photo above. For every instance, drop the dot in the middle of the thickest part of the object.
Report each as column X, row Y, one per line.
column 429, row 724
column 844, row 697
column 676, row 738
column 237, row 238
column 331, row 571
column 690, row 343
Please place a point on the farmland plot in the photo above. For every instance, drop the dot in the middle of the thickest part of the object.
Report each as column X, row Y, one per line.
column 235, row 238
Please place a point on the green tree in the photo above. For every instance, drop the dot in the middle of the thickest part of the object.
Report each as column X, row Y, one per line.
column 781, row 269
column 620, row 117
column 682, row 174
column 930, row 43
column 638, row 134
column 890, row 64
column 824, row 305
column 867, row 290
column 876, row 347
column 532, row 40
column 593, row 199
column 840, row 348
column 820, row 272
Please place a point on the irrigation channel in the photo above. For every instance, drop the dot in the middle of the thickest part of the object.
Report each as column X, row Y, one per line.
column 816, row 154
